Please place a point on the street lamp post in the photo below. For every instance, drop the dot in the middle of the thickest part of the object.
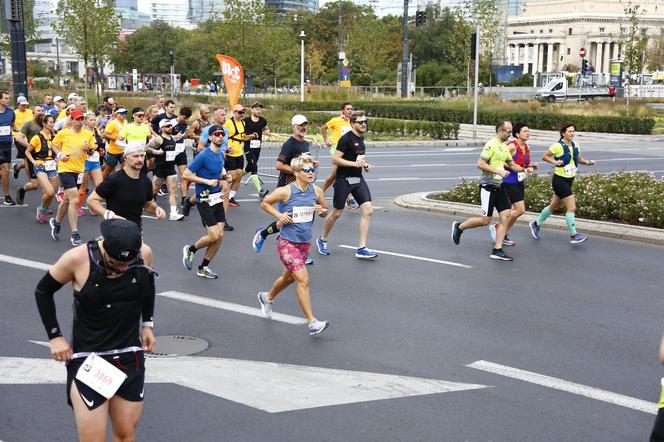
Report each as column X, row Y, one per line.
column 171, row 61
column 302, row 35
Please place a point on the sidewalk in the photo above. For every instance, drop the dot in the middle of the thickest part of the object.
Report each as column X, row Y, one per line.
column 420, row 201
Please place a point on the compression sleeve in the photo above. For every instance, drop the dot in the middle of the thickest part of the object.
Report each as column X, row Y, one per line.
column 46, row 306
column 147, row 309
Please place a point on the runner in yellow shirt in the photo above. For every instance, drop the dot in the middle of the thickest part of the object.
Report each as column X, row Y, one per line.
column 72, row 146
column 234, row 162
column 111, row 133
column 338, row 126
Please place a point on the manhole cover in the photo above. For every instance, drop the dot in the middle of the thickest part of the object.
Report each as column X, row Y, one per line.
column 168, row 346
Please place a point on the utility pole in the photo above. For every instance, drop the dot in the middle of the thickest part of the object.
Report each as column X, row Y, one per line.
column 477, row 75
column 404, row 57
column 14, row 13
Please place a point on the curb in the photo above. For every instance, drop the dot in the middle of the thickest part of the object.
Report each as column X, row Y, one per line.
column 648, row 235
column 432, row 143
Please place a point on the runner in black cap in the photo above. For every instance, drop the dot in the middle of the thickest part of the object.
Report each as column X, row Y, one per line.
column 255, row 124
column 113, row 291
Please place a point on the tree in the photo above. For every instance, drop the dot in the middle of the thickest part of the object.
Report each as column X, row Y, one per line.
column 632, row 41
column 655, row 54
column 484, row 12
column 91, row 27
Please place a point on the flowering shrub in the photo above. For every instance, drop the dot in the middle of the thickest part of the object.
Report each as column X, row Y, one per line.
column 625, row 197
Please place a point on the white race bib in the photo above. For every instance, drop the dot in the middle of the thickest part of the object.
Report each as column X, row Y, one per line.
column 497, row 176
column 94, row 157
column 215, row 198
column 521, row 176
column 171, row 154
column 570, row 169
column 353, row 179
column 79, row 179
column 5, row 130
column 360, row 157
column 254, row 144
column 179, row 147
column 345, row 129
column 303, row 214
column 50, row 165
column 100, row 375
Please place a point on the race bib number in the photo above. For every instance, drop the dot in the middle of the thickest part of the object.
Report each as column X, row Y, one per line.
column 255, row 144
column 100, row 375
column 171, row 154
column 215, row 198
column 353, row 180
column 360, row 157
column 570, row 169
column 50, row 165
column 303, row 214
column 5, row 130
column 79, row 179
column 345, row 129
column 179, row 147
column 521, row 176
column 497, row 176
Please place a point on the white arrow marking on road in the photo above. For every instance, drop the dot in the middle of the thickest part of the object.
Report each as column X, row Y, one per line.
column 267, row 386
column 419, row 258
column 24, row 262
column 570, row 387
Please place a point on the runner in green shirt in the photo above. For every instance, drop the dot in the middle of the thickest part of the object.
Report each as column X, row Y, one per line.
column 493, row 159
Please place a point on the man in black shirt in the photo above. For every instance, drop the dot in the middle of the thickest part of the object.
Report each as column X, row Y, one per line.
column 255, row 123
column 350, row 162
column 168, row 114
column 127, row 192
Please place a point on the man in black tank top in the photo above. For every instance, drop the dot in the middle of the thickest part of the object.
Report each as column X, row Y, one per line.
column 113, row 291
column 165, row 167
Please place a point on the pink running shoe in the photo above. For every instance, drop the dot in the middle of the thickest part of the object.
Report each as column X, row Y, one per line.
column 41, row 216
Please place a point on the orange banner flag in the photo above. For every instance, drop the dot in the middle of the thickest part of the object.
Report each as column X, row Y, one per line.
column 233, row 75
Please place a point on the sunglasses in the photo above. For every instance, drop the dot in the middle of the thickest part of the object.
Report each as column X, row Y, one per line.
column 79, row 119
column 141, row 115
column 218, row 133
column 362, row 122
column 308, row 170
column 240, row 112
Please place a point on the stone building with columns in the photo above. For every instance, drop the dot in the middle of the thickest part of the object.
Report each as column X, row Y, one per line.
column 549, row 34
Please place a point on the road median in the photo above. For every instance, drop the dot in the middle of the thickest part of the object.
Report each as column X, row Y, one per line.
column 422, row 201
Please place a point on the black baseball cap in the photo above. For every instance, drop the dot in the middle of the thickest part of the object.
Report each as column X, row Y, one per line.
column 214, row 128
column 257, row 104
column 122, row 239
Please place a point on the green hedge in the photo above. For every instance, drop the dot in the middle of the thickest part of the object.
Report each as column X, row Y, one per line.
column 435, row 112
column 623, row 197
column 438, row 130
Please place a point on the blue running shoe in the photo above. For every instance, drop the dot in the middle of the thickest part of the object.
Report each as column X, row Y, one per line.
column 492, row 232
column 577, row 238
column 351, row 204
column 322, row 247
column 535, row 230
column 258, row 240
column 365, row 253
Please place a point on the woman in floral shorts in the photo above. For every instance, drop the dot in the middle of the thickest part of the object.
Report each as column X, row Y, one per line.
column 298, row 201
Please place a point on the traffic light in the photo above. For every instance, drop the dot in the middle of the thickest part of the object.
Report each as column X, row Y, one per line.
column 584, row 66
column 420, row 18
column 414, row 64
column 473, row 44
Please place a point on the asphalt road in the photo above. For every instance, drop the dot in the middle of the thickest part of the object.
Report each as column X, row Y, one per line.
column 588, row 314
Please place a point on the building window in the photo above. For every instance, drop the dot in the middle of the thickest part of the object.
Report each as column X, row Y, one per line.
column 569, row 32
column 601, row 29
column 550, row 31
column 569, row 51
column 644, row 32
column 72, row 67
column 541, row 31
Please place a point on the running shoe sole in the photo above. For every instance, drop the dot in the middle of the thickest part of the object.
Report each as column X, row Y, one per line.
column 532, row 230
column 264, row 306
column 254, row 241
column 320, row 330
column 186, row 262
column 368, row 258
column 455, row 225
column 574, row 241
column 54, row 235
column 206, row 275
column 501, row 258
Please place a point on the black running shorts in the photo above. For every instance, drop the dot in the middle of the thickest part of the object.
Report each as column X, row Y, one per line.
column 211, row 215
column 131, row 363
column 515, row 191
column 562, row 186
column 342, row 188
column 492, row 196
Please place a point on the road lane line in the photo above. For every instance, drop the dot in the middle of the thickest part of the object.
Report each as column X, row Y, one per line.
column 418, row 258
column 570, row 387
column 237, row 308
column 24, row 262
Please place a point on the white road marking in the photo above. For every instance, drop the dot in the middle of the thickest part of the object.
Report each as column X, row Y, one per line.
column 418, row 258
column 420, row 179
column 266, row 386
column 570, row 387
column 237, row 308
column 15, row 206
column 24, row 262
column 149, row 216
